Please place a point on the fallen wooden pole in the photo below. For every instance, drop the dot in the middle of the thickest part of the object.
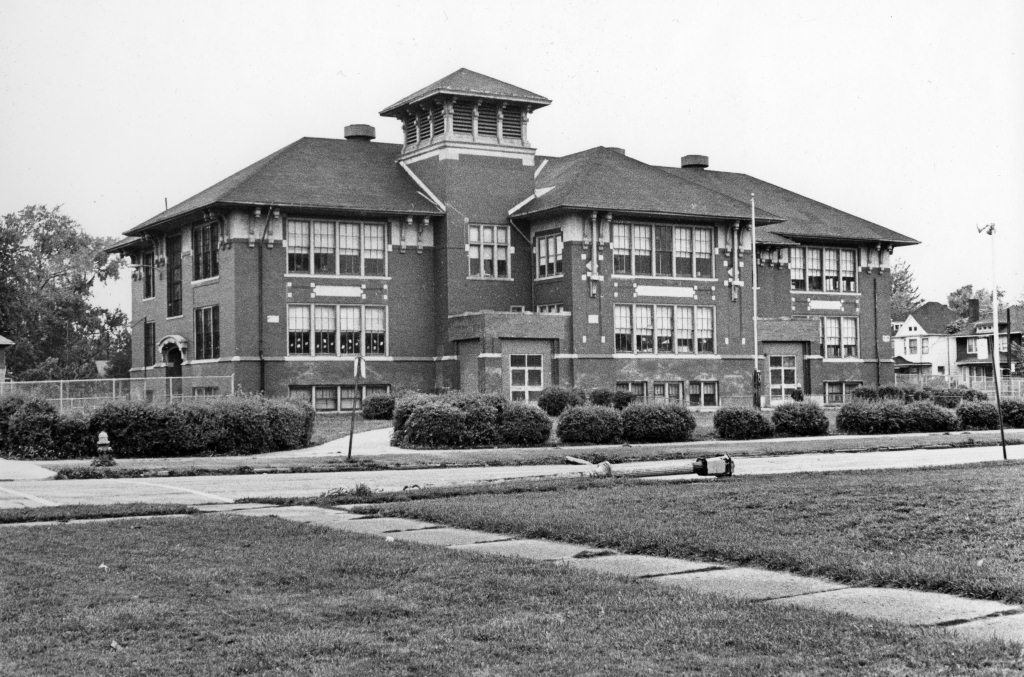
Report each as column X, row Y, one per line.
column 714, row 466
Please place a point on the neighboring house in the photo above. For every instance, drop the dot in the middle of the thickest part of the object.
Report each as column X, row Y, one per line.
column 974, row 345
column 922, row 345
column 5, row 343
column 462, row 259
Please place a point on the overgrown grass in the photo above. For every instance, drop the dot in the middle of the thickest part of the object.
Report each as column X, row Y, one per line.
column 63, row 513
column 232, row 594
column 957, row 530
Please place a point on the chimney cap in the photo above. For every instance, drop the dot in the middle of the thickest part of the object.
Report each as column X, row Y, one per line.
column 694, row 162
column 360, row 133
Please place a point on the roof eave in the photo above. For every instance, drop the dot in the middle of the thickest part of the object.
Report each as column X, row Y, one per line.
column 761, row 220
column 534, row 103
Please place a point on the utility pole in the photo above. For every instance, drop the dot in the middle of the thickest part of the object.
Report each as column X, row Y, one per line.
column 990, row 230
column 753, row 289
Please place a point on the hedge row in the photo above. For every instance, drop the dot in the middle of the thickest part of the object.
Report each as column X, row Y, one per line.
column 946, row 397
column 459, row 420
column 866, row 417
column 31, row 428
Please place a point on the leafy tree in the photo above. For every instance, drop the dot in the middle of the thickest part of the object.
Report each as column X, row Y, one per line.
column 905, row 296
column 959, row 300
column 48, row 266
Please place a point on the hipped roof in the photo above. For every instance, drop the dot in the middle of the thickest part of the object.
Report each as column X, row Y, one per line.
column 334, row 174
column 467, row 83
column 605, row 179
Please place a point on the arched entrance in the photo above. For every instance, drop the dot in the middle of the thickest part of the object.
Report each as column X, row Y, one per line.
column 173, row 348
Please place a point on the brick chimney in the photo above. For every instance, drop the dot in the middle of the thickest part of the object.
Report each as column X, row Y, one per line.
column 973, row 310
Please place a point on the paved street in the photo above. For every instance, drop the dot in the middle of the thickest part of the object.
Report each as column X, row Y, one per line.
column 225, row 489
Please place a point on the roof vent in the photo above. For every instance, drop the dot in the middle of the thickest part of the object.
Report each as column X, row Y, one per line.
column 694, row 162
column 360, row 133
column 616, row 149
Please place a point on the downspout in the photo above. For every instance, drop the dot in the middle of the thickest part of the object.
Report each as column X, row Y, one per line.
column 259, row 300
column 878, row 355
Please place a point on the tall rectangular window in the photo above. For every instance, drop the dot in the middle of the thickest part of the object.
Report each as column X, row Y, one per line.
column 704, row 321
column 349, row 333
column 207, row 328
column 174, row 276
column 549, row 255
column 624, row 329
column 848, row 329
column 298, row 246
column 663, row 242
column 663, row 328
column 848, row 269
column 684, row 329
column 489, row 251
column 373, row 249
column 702, row 248
column 325, row 330
column 643, row 317
column 814, row 280
column 683, row 247
column 526, row 374
column 298, row 330
column 797, row 269
column 642, row 250
column 621, row 259
column 348, row 248
column 205, row 243
column 149, row 344
column 323, row 248
column 831, row 333
column 703, row 393
column 148, row 275
column 831, row 269
column 912, row 346
column 374, row 329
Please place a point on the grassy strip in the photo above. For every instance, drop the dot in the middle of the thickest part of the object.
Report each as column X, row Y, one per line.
column 63, row 513
column 363, row 494
column 957, row 530
column 236, row 594
column 227, row 465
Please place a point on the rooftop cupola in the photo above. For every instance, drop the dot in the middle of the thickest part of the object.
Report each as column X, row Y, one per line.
column 467, row 112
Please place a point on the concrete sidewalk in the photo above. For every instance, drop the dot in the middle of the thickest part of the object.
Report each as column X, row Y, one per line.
column 23, row 470
column 971, row 618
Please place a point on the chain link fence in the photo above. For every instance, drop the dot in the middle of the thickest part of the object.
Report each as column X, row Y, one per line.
column 1009, row 386
column 92, row 393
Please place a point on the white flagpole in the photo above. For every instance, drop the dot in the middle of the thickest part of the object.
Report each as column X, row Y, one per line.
column 753, row 288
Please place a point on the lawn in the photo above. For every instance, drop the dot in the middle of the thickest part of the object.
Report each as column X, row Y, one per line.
column 63, row 513
column 957, row 530
column 227, row 594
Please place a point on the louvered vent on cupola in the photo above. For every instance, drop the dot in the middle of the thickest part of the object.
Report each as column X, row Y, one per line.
column 462, row 120
column 487, row 120
column 409, row 127
column 436, row 120
column 512, row 123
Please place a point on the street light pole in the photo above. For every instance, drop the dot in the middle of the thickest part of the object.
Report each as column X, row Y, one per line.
column 990, row 229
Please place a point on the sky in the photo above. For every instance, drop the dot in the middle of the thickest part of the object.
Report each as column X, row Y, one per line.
column 907, row 113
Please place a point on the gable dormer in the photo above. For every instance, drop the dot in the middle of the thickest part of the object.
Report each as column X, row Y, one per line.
column 469, row 113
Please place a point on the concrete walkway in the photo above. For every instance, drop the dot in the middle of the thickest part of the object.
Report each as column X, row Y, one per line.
column 229, row 488
column 971, row 618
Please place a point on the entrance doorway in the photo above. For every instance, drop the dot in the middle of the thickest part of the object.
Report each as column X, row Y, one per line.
column 782, row 376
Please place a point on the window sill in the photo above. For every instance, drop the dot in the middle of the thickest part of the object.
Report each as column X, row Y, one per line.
column 825, row 293
column 174, row 317
column 481, row 278
column 205, row 280
column 663, row 278
column 548, row 278
column 148, row 298
column 332, row 276
column 848, row 360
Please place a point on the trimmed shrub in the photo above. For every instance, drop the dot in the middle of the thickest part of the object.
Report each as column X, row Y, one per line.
column 225, row 426
column 435, row 425
column 800, row 419
column 622, row 399
column 865, row 393
column 404, row 406
column 482, row 412
column 797, row 394
column 978, row 416
column 29, row 429
column 602, row 397
column 890, row 393
column 556, row 399
column 863, row 417
column 523, row 425
column 741, row 423
column 928, row 417
column 590, row 424
column 8, row 405
column 379, row 407
column 657, row 422
column 1013, row 413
